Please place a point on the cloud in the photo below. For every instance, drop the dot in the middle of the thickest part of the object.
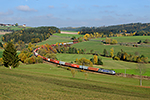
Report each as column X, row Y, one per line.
column 51, row 6
column 9, row 12
column 26, row 8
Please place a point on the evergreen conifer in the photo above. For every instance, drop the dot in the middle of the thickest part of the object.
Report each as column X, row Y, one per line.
column 10, row 57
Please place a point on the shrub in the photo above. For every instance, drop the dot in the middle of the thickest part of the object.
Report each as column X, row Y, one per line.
column 116, row 58
column 39, row 60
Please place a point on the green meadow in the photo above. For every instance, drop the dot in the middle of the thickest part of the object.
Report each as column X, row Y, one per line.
column 47, row 81
column 55, row 39
column 127, row 39
column 67, row 35
column 99, row 48
column 58, row 37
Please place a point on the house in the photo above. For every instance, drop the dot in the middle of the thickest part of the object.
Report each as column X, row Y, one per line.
column 24, row 25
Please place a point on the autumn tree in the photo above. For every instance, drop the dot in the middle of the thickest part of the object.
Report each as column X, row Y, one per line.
column 84, row 61
column 1, row 45
column 105, row 52
column 73, row 72
column 95, row 59
column 1, row 61
column 52, row 56
column 10, row 57
column 112, row 52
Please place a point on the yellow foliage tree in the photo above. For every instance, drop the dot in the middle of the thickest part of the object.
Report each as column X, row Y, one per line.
column 1, row 61
column 112, row 52
column 95, row 59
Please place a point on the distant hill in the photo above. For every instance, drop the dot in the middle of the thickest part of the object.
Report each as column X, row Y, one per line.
column 72, row 28
column 138, row 28
column 33, row 35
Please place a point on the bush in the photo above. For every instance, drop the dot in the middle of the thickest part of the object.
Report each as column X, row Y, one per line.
column 1, row 61
column 39, row 60
column 116, row 58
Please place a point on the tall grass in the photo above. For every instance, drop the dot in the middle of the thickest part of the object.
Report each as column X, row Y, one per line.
column 40, row 82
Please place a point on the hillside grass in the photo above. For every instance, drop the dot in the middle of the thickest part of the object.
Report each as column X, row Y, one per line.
column 109, row 63
column 59, row 37
column 44, row 81
column 54, row 40
column 127, row 39
column 67, row 35
column 99, row 48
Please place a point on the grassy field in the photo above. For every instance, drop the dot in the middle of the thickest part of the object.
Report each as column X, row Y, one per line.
column 59, row 37
column 97, row 46
column 43, row 81
column 109, row 63
column 128, row 39
column 68, row 35
column 54, row 40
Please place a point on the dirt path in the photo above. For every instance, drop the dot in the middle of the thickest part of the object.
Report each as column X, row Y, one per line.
column 64, row 32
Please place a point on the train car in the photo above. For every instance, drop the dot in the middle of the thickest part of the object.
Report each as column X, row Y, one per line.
column 48, row 59
column 36, row 54
column 56, row 61
column 53, row 45
column 68, row 64
column 75, row 65
column 64, row 43
column 40, row 56
column 83, row 67
column 44, row 58
column 75, row 42
column 70, row 43
column 107, row 71
column 62, row 63
column 51, row 60
column 93, row 69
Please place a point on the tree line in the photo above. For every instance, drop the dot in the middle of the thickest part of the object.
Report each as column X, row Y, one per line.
column 122, row 55
column 137, row 29
column 33, row 35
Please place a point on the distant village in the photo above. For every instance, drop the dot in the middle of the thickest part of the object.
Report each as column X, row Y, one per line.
column 24, row 25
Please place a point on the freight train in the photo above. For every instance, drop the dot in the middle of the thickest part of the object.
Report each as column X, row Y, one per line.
column 100, row 70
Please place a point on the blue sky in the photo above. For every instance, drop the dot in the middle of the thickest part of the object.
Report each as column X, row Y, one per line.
column 74, row 13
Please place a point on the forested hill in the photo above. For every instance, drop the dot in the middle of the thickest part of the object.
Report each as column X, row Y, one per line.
column 33, row 35
column 138, row 28
column 72, row 28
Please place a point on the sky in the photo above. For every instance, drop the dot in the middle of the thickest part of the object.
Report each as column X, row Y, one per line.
column 74, row 13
